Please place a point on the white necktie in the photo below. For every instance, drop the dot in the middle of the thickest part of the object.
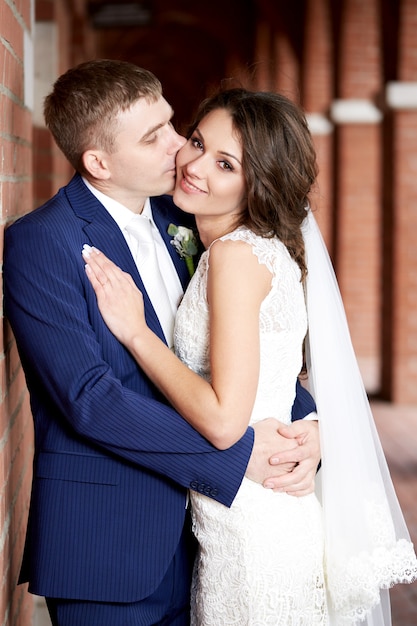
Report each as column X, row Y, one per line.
column 140, row 228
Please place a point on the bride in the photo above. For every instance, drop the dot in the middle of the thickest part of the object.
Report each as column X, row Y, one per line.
column 264, row 280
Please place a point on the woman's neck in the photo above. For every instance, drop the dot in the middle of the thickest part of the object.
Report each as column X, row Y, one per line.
column 211, row 228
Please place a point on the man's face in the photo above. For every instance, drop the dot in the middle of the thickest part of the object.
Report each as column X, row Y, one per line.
column 143, row 161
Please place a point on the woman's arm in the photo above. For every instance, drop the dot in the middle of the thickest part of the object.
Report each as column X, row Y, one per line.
column 237, row 284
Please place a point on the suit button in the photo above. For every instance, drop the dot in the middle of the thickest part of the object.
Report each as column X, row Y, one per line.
column 194, row 485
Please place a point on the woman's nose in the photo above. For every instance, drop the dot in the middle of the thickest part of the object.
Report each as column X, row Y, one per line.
column 196, row 165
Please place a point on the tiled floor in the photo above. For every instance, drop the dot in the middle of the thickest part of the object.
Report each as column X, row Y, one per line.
column 397, row 427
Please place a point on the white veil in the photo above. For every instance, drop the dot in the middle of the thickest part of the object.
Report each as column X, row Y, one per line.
column 367, row 545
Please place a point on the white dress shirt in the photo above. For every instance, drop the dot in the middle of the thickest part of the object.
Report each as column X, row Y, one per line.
column 122, row 216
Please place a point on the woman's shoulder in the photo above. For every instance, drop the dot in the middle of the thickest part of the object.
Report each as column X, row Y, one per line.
column 245, row 234
column 269, row 251
column 242, row 233
column 233, row 261
column 241, row 252
column 240, row 241
column 233, row 244
column 261, row 245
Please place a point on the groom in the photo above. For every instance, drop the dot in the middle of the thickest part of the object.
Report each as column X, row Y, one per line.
column 108, row 540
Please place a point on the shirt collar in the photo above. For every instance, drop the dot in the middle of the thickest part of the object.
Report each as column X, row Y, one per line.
column 121, row 214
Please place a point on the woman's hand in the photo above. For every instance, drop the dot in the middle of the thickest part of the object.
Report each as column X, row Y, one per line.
column 302, row 478
column 119, row 300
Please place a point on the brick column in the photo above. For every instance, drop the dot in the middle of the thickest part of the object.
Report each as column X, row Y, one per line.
column 316, row 97
column 358, row 181
column 400, row 337
column 358, row 229
column 286, row 70
column 262, row 60
column 402, row 99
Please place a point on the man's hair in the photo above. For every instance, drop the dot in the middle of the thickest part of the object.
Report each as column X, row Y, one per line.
column 81, row 111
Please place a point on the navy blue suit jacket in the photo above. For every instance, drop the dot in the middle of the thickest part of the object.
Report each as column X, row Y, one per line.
column 113, row 461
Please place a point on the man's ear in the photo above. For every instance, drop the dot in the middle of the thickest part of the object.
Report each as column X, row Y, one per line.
column 95, row 163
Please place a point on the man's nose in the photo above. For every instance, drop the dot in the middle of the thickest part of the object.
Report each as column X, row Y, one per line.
column 177, row 141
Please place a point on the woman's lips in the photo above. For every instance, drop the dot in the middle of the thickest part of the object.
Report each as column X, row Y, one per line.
column 188, row 187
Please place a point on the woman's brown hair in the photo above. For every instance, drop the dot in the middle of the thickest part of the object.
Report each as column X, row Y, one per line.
column 278, row 160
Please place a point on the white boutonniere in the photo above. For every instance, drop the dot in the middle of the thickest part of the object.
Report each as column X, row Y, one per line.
column 185, row 243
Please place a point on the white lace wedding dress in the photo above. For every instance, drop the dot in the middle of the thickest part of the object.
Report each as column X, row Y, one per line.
column 260, row 562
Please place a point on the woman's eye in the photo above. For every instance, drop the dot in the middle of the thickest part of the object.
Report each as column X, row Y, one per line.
column 196, row 143
column 225, row 165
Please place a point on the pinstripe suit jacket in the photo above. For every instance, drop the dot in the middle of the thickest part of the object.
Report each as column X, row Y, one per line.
column 112, row 460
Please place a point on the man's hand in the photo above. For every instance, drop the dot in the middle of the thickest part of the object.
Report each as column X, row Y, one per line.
column 268, row 442
column 285, row 458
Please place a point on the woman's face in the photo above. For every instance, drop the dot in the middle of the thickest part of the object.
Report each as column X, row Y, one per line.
column 210, row 180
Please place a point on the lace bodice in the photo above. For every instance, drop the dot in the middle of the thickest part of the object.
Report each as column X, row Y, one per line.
column 282, row 326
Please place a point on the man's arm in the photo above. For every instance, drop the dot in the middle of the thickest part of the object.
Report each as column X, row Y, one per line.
column 304, row 405
column 80, row 376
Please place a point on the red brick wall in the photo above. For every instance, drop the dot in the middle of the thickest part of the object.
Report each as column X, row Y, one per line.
column 23, row 150
column 16, row 432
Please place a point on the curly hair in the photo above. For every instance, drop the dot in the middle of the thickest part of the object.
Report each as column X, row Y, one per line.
column 278, row 160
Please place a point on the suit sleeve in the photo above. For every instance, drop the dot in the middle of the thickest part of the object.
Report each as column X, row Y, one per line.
column 303, row 404
column 75, row 369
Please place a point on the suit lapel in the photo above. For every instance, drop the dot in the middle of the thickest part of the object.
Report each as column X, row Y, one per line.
column 102, row 232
